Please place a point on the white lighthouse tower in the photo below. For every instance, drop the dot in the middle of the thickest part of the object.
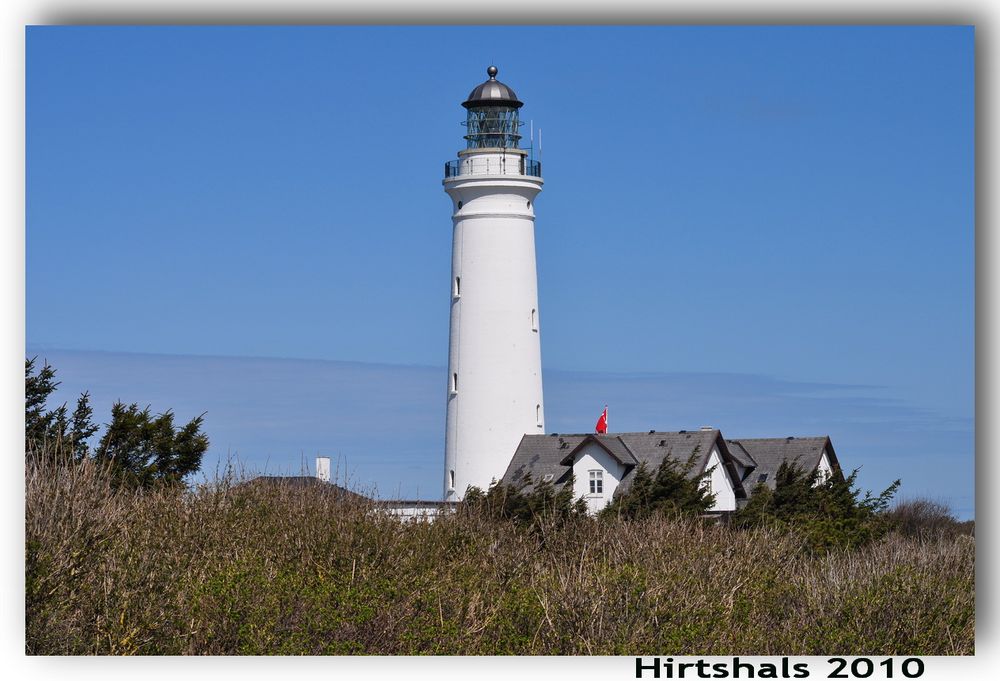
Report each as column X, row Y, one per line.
column 494, row 354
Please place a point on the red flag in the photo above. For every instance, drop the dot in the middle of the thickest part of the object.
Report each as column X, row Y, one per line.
column 602, row 423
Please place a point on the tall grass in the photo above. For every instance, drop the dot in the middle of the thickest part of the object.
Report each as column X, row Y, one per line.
column 276, row 569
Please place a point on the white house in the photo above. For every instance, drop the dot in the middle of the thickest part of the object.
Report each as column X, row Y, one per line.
column 602, row 465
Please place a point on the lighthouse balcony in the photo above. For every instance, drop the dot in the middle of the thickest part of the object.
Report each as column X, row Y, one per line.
column 494, row 164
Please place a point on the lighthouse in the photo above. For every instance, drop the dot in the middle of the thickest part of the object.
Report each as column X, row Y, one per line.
column 494, row 393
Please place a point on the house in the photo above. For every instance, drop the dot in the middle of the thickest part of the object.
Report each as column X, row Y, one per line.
column 767, row 455
column 602, row 465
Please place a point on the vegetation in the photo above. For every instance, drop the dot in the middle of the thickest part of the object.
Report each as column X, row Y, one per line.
column 227, row 568
column 536, row 506
column 672, row 491
column 924, row 518
column 140, row 449
column 829, row 512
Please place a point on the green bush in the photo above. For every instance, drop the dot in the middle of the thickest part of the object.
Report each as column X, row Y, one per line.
column 533, row 505
column 827, row 512
column 672, row 490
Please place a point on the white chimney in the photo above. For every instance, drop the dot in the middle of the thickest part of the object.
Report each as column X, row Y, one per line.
column 323, row 468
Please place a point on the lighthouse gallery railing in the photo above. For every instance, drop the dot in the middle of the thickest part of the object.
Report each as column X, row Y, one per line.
column 492, row 166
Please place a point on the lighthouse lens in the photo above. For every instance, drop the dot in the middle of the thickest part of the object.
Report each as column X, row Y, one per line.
column 492, row 128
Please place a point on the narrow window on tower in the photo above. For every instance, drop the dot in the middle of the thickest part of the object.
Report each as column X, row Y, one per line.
column 454, row 383
column 534, row 321
column 538, row 415
column 451, row 479
column 597, row 483
column 458, row 286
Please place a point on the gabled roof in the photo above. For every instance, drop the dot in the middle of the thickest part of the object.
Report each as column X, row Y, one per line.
column 612, row 444
column 539, row 456
column 770, row 453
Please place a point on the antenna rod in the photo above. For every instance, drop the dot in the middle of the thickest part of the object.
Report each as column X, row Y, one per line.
column 539, row 144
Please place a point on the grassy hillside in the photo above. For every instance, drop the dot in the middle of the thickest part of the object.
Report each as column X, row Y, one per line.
column 253, row 569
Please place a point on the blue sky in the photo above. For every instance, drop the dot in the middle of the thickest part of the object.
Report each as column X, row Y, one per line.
column 771, row 225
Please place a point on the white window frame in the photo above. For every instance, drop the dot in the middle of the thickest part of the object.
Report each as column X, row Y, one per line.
column 596, row 483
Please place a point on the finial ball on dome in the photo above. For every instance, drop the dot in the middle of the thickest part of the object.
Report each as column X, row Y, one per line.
column 492, row 72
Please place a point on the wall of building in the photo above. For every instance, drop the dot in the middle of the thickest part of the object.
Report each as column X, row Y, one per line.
column 593, row 457
column 494, row 391
column 722, row 487
column 417, row 511
column 824, row 467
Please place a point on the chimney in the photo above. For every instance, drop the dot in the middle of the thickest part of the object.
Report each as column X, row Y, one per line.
column 707, row 428
column 323, row 468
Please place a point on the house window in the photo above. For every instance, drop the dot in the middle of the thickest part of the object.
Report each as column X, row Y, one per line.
column 762, row 478
column 597, row 482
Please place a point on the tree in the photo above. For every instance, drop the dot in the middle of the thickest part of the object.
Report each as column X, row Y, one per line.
column 82, row 427
column 52, row 431
column 829, row 511
column 37, row 388
column 144, row 449
column 541, row 504
column 673, row 490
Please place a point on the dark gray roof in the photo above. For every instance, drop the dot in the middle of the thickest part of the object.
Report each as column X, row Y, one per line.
column 539, row 456
column 306, row 481
column 770, row 453
column 740, row 454
column 542, row 455
column 492, row 92
column 612, row 443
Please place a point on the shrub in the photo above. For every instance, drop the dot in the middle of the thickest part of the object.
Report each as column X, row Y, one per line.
column 926, row 518
column 673, row 490
column 828, row 512
column 533, row 505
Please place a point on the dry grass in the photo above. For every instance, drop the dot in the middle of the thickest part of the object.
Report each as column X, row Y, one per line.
column 231, row 569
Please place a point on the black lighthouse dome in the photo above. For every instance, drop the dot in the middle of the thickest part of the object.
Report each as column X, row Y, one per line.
column 492, row 93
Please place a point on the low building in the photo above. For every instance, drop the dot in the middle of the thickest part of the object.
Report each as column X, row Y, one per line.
column 603, row 465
